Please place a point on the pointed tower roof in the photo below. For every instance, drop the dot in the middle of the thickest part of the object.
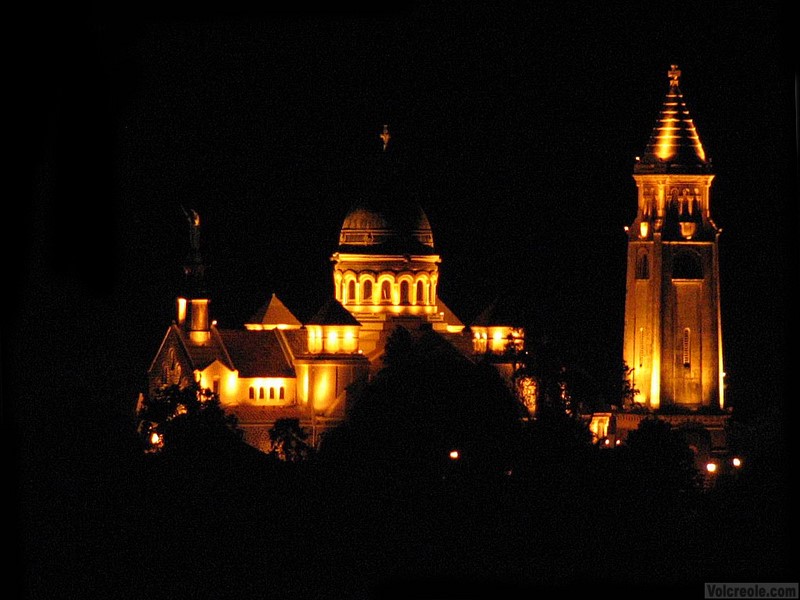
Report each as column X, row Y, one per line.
column 674, row 145
column 274, row 315
column 194, row 284
column 333, row 313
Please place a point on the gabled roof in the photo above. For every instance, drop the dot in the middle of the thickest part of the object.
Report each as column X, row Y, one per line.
column 333, row 313
column 275, row 314
column 461, row 342
column 256, row 353
column 297, row 341
column 449, row 316
column 502, row 312
column 203, row 355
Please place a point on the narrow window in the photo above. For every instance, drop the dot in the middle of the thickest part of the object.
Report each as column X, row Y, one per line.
column 251, row 393
column 272, row 393
column 367, row 291
column 215, row 387
column 687, row 345
column 261, row 393
column 404, row 292
column 386, row 292
column 643, row 267
column 282, row 393
column 641, row 346
column 351, row 292
column 420, row 293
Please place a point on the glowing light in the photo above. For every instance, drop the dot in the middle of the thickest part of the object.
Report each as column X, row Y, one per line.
column 155, row 438
column 181, row 310
column 333, row 341
column 323, row 388
column 737, row 462
column 643, row 228
column 385, row 137
column 232, row 383
column 688, row 229
column 664, row 147
column 528, row 392
column 454, row 455
column 711, row 467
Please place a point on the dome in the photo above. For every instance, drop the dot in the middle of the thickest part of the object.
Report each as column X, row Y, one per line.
column 385, row 217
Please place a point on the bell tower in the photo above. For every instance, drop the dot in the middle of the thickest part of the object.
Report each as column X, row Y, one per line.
column 673, row 338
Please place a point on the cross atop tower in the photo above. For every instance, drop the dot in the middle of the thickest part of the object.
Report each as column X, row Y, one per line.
column 674, row 73
column 385, row 136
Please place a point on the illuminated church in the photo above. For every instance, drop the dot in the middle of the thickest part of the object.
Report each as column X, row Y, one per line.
column 672, row 340
column 385, row 275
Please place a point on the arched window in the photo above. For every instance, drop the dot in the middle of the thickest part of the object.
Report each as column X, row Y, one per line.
column 420, row 292
column 272, row 393
column 386, row 292
column 261, row 393
column 404, row 292
column 642, row 267
column 351, row 292
column 251, row 393
column 282, row 393
column 367, row 297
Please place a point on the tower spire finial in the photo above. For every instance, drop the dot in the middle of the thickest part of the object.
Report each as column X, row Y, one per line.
column 674, row 73
column 385, row 137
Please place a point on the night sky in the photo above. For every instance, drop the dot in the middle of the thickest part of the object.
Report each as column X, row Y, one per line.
column 521, row 119
column 522, row 124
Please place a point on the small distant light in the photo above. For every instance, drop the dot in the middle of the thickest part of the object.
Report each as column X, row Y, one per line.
column 607, row 442
column 737, row 462
column 155, row 438
column 618, row 442
column 711, row 467
column 454, row 455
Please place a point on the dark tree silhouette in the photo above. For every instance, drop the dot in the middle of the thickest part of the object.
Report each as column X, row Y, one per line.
column 428, row 400
column 184, row 419
column 658, row 460
column 625, row 394
column 288, row 440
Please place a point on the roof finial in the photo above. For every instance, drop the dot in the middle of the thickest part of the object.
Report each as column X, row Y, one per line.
column 385, row 137
column 674, row 73
column 194, row 228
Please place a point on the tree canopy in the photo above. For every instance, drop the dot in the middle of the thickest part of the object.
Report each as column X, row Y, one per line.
column 184, row 419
